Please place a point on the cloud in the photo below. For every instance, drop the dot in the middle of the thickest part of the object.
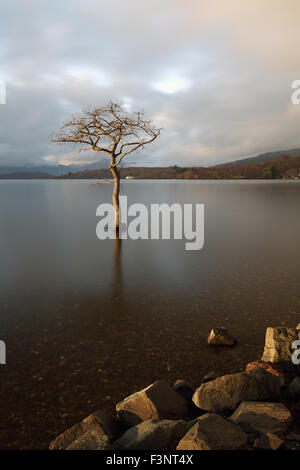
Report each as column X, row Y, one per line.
column 70, row 158
column 171, row 83
column 216, row 75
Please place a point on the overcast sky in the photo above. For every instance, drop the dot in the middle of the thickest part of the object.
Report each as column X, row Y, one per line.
column 216, row 74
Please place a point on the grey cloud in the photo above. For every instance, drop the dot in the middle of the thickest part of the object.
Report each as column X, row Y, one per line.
column 237, row 61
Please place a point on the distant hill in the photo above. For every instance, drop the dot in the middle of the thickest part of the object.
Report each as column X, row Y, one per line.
column 275, row 168
column 54, row 169
column 263, row 157
column 25, row 175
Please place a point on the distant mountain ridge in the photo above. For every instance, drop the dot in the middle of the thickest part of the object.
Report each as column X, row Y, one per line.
column 52, row 170
column 263, row 157
column 57, row 170
column 26, row 175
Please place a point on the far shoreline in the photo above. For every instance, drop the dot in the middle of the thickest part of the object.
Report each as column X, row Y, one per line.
column 283, row 168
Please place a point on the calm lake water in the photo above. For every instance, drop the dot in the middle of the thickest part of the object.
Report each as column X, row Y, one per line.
column 87, row 322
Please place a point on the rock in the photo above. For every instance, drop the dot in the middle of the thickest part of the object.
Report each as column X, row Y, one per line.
column 152, row 435
column 158, row 401
column 278, row 346
column 268, row 441
column 225, row 393
column 212, row 432
column 220, row 337
column 294, row 388
column 91, row 440
column 98, row 421
column 187, row 392
column 260, row 417
column 210, row 376
column 293, row 437
column 270, row 367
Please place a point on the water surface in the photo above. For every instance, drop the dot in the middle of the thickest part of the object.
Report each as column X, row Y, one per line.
column 86, row 322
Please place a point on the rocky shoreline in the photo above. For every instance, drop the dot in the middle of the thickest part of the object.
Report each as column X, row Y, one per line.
column 258, row 408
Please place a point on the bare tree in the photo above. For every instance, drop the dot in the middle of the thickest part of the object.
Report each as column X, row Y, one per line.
column 112, row 130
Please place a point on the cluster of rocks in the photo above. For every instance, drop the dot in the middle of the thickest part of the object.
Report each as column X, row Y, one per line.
column 256, row 408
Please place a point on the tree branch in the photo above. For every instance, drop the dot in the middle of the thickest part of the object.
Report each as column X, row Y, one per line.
column 111, row 127
column 140, row 145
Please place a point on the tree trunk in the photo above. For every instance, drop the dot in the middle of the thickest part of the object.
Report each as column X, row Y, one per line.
column 115, row 197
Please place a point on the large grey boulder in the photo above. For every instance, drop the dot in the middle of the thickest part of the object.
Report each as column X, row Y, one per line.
column 262, row 417
column 225, row 393
column 213, row 432
column 91, row 440
column 158, row 401
column 98, row 421
column 278, row 345
column 152, row 435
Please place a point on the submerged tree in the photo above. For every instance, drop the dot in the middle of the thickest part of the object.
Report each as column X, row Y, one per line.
column 112, row 130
